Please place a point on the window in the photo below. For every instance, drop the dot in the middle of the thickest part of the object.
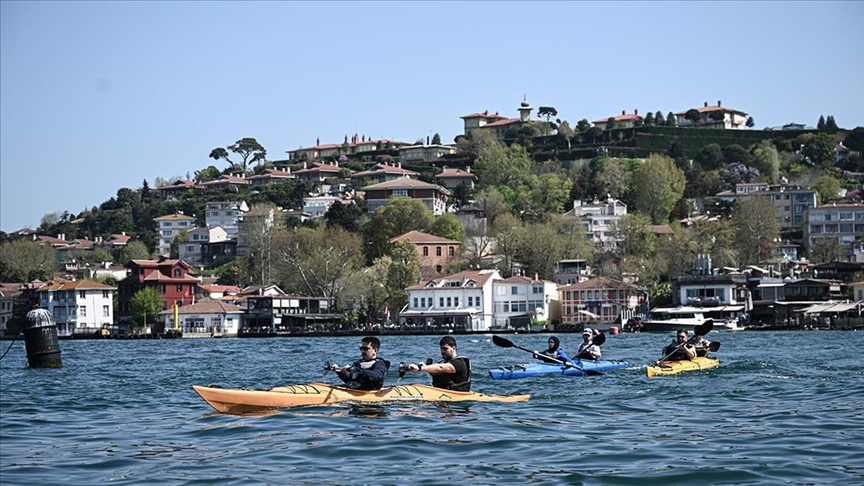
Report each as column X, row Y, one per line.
column 178, row 272
column 470, row 301
column 449, row 302
column 82, row 294
column 440, row 301
column 400, row 192
column 105, row 294
column 162, row 289
column 425, row 251
column 82, row 311
column 451, row 251
column 190, row 248
column 106, row 311
column 438, row 251
column 415, row 302
column 179, row 288
column 456, row 301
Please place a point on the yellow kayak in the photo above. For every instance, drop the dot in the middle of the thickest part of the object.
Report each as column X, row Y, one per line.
column 234, row 400
column 675, row 367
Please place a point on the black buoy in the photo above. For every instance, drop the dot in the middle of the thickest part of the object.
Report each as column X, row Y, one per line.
column 40, row 339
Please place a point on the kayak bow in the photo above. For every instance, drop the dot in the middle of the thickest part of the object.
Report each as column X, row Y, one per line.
column 235, row 400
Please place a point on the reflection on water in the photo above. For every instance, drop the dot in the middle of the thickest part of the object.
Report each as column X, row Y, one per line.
column 122, row 411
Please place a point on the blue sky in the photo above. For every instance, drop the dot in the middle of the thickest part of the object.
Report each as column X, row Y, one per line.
column 98, row 96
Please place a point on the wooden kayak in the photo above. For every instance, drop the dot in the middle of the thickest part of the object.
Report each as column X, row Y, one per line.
column 675, row 367
column 235, row 400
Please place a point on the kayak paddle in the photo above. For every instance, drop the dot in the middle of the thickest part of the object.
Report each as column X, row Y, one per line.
column 700, row 330
column 506, row 343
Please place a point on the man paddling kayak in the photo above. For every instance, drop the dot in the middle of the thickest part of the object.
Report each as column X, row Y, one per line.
column 369, row 372
column 453, row 373
column 679, row 349
column 588, row 350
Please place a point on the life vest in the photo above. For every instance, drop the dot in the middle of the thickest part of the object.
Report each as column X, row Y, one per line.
column 455, row 382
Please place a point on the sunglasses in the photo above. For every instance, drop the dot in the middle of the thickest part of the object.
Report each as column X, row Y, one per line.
column 364, row 348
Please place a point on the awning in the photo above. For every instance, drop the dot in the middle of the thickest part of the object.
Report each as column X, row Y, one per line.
column 440, row 313
column 832, row 307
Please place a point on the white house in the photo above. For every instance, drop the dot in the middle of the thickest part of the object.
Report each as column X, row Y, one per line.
column 205, row 318
column 517, row 300
column 79, row 307
column 195, row 248
column 599, row 219
column 462, row 301
column 168, row 227
column 226, row 214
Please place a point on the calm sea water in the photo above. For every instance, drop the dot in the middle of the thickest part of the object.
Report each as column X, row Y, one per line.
column 783, row 407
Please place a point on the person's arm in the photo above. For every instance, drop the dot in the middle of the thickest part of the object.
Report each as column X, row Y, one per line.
column 595, row 351
column 689, row 350
column 434, row 368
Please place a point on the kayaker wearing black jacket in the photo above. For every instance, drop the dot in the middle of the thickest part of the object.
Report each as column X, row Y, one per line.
column 679, row 349
column 369, row 372
column 453, row 373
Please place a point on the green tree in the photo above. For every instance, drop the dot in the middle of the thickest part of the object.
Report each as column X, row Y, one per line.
column 399, row 216
column 855, row 140
column 831, row 125
column 693, row 115
column 248, row 149
column 318, row 262
column 134, row 250
column 210, row 173
column 820, row 125
column 710, row 157
column 757, row 228
column 825, row 250
column 766, row 160
column 565, row 134
column 347, row 216
column 649, row 119
column 671, row 121
column 147, row 302
column 735, row 153
column 404, row 271
column 26, row 261
column 750, row 122
column 179, row 239
column 658, row 186
column 583, row 125
column 447, row 226
column 634, row 235
column 436, row 139
column 613, row 179
column 827, row 188
column 818, row 148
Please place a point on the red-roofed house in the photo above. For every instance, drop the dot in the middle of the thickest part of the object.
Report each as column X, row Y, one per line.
column 383, row 172
column 81, row 307
column 205, row 318
column 356, row 145
column 622, row 121
column 436, row 253
column 432, row 195
column 424, row 153
column 496, row 123
column 731, row 119
column 460, row 302
column 170, row 277
column 453, row 178
column 176, row 188
column 271, row 176
column 318, row 171
column 224, row 181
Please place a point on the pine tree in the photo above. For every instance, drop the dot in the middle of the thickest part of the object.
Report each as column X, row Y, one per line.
column 821, row 124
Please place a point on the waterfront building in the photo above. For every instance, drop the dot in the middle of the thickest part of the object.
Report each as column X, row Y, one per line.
column 205, row 318
column 81, row 307
column 289, row 313
column 171, row 278
column 600, row 300
column 518, row 301
column 566, row 272
column 462, row 301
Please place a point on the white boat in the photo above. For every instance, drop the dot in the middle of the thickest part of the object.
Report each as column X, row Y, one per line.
column 670, row 319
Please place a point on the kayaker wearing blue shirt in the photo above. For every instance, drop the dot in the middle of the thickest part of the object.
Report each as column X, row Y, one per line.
column 679, row 349
column 588, row 350
column 554, row 351
column 453, row 373
column 369, row 372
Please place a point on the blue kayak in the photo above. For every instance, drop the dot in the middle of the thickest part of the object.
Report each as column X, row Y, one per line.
column 579, row 368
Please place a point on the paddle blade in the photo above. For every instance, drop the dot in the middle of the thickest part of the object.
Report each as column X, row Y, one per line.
column 704, row 328
column 599, row 339
column 714, row 346
column 499, row 341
